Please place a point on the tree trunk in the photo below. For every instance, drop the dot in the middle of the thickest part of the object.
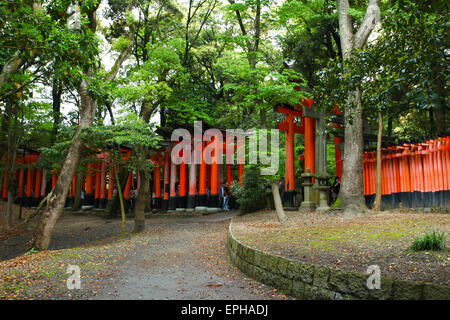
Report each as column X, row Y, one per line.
column 11, row 114
column 57, row 197
column 377, row 204
column 122, row 207
column 144, row 193
column 114, row 204
column 56, row 105
column 142, row 155
column 278, row 204
column 141, row 203
column 9, row 209
column 352, row 190
column 10, row 67
column 439, row 104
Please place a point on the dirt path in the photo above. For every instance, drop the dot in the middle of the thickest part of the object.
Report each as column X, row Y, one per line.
column 174, row 258
column 186, row 260
column 70, row 231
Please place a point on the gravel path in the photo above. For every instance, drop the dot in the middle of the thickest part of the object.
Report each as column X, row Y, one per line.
column 186, row 260
column 174, row 258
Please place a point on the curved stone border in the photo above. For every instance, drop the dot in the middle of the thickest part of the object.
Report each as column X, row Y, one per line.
column 309, row 281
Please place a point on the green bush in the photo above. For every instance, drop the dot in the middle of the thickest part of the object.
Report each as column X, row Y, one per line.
column 430, row 241
column 251, row 196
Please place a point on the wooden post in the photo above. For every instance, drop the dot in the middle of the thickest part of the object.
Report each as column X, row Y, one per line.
column 21, row 184
column 202, row 201
column 214, row 193
column 111, row 182
column 89, row 192
column 182, row 196
column 165, row 201
column 192, row 184
column 157, row 185
column 98, row 172
column 173, row 193
column 102, row 193
column 290, row 128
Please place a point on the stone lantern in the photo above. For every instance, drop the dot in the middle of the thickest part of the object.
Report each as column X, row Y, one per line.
column 308, row 204
column 324, row 189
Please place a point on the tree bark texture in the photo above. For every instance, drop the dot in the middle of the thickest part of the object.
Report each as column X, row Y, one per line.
column 377, row 204
column 277, row 201
column 352, row 190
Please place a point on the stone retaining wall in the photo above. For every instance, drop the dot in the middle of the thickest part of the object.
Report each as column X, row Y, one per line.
column 309, row 281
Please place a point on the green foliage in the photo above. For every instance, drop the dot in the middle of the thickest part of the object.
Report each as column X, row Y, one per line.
column 311, row 36
column 120, row 43
column 206, row 66
column 129, row 131
column 430, row 241
column 40, row 36
column 401, row 74
column 251, row 195
column 31, row 251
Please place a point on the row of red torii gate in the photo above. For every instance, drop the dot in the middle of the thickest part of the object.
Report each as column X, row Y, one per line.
column 406, row 172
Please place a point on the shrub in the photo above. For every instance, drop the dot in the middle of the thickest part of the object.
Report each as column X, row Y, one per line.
column 251, row 196
column 430, row 241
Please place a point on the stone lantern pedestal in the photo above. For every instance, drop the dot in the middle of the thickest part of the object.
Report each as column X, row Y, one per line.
column 324, row 190
column 308, row 204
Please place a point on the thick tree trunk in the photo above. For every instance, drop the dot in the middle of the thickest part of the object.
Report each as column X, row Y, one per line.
column 9, row 209
column 11, row 115
column 144, row 193
column 142, row 155
column 141, row 203
column 377, row 203
column 57, row 197
column 278, row 204
column 352, row 190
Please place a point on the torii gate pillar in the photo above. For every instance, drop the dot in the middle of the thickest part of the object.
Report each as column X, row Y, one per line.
column 290, row 128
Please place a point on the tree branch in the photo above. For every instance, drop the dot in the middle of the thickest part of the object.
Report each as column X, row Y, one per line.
column 345, row 27
column 238, row 15
column 10, row 67
column 371, row 19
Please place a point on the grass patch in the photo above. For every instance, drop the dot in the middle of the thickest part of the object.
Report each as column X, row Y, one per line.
column 430, row 241
column 31, row 251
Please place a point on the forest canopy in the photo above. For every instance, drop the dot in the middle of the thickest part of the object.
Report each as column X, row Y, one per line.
column 112, row 72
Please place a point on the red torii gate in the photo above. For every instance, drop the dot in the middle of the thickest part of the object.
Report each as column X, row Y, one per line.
column 98, row 182
column 308, row 127
column 190, row 196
